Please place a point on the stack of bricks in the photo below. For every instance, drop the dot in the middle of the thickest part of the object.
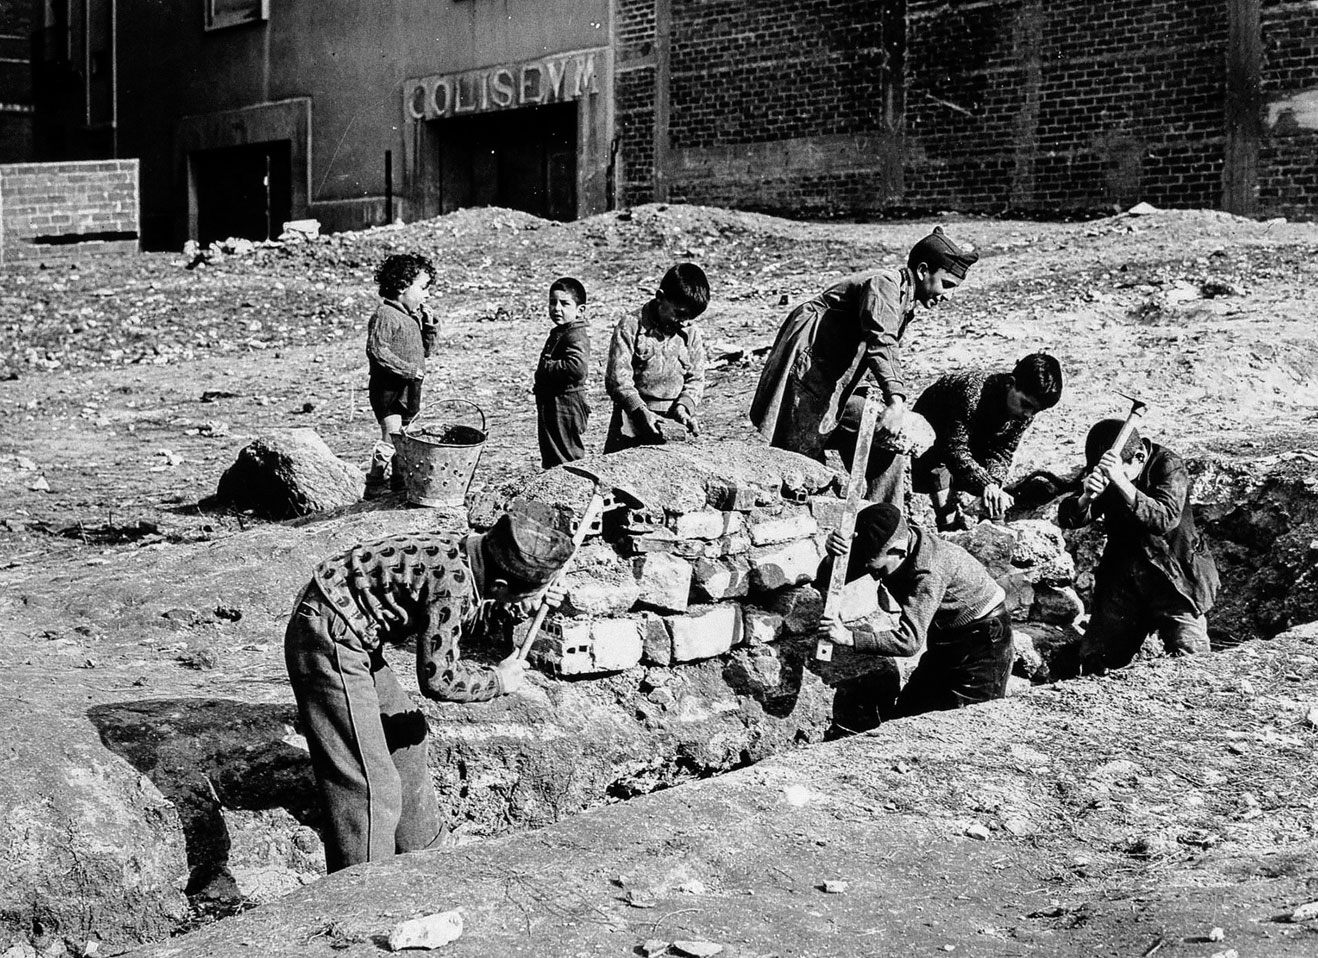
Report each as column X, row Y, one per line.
column 61, row 210
column 711, row 559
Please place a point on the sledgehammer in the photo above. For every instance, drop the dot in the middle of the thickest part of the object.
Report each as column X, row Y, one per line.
column 1137, row 409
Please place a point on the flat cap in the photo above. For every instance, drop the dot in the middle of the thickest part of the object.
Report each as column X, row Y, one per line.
column 528, row 544
column 939, row 252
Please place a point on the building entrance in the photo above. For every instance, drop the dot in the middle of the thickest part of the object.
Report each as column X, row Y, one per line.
column 524, row 159
column 243, row 191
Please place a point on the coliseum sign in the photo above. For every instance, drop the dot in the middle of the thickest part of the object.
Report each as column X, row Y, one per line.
column 556, row 79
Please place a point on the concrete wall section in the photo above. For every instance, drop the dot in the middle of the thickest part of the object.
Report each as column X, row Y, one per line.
column 65, row 210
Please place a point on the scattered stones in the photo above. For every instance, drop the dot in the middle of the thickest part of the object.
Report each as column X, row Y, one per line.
column 1306, row 912
column 652, row 947
column 977, row 831
column 431, row 931
column 835, row 887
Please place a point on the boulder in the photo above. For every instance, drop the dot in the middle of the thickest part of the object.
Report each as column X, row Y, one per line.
column 713, row 580
column 775, row 567
column 289, row 473
column 705, row 631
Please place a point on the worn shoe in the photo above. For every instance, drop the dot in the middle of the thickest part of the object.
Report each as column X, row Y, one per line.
column 379, row 473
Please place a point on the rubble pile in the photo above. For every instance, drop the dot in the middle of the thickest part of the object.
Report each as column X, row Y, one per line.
column 701, row 553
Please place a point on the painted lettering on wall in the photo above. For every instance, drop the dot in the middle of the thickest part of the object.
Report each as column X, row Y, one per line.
column 556, row 79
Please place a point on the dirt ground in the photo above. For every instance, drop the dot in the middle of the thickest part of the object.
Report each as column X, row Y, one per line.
column 128, row 385
column 1022, row 827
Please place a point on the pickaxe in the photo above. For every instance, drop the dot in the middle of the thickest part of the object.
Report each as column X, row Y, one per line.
column 1137, row 409
column 599, row 501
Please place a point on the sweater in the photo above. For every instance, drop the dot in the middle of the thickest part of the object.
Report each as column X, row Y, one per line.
column 564, row 361
column 422, row 585
column 975, row 438
column 938, row 589
column 653, row 366
column 398, row 342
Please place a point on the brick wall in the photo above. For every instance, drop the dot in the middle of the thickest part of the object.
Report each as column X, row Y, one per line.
column 61, row 210
column 1065, row 104
column 634, row 99
column 1288, row 155
column 785, row 106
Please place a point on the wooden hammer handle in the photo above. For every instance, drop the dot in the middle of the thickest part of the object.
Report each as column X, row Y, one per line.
column 593, row 510
column 1118, row 444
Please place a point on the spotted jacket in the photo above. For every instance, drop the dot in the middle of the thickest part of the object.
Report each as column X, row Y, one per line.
column 418, row 585
column 976, row 439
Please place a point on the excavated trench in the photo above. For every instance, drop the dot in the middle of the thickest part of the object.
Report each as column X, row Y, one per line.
column 215, row 801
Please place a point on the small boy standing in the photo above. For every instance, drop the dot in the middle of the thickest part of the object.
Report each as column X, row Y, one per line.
column 656, row 368
column 399, row 337
column 979, row 419
column 560, row 377
column 1155, row 574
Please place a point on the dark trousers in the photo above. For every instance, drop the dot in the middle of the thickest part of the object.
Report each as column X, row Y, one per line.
column 961, row 667
column 392, row 395
column 560, row 422
column 1128, row 607
column 885, row 473
column 367, row 740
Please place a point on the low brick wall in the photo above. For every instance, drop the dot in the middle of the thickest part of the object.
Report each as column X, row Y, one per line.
column 66, row 210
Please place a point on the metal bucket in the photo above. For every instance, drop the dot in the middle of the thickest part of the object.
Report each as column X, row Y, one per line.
column 438, row 459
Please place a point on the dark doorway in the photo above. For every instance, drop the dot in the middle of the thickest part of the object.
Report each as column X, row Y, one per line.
column 523, row 159
column 243, row 191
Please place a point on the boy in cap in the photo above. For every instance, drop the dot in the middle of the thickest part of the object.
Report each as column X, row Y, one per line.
column 366, row 737
column 1155, row 574
column 656, row 369
column 829, row 343
column 979, row 419
column 946, row 602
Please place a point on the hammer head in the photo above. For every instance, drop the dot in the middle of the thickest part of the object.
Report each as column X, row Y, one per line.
column 1137, row 406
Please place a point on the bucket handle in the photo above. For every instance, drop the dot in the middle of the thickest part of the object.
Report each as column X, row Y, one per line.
column 467, row 402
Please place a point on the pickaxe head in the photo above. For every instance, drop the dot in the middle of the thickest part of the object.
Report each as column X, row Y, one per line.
column 1137, row 406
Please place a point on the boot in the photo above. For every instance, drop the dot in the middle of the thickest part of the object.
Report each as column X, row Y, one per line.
column 378, row 475
column 396, row 477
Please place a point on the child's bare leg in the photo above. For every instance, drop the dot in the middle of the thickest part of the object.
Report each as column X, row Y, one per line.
column 389, row 426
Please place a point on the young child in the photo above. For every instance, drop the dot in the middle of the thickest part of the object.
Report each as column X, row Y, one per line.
column 979, row 419
column 1155, row 574
column 560, row 378
column 399, row 337
column 656, row 369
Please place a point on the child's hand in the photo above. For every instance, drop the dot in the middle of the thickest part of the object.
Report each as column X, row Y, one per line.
column 831, row 628
column 1094, row 484
column 512, row 673
column 835, row 545
column 997, row 501
column 555, row 593
column 683, row 415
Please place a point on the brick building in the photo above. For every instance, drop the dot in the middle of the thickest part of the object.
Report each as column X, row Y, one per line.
column 245, row 112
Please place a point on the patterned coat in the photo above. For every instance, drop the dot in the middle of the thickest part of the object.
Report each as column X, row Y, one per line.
column 420, row 585
column 976, row 440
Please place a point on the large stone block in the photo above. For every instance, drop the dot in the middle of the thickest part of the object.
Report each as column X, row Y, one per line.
column 599, row 582
column 756, row 671
column 589, row 646
column 759, row 627
column 1040, row 550
column 783, row 529
column 289, row 473
column 991, row 543
column 1056, row 604
column 828, row 511
column 664, row 581
column 800, row 608
column 713, row 580
column 707, row 524
column 738, row 543
column 657, row 640
column 775, row 567
column 705, row 631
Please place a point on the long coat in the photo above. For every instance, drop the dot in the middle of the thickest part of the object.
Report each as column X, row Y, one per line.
column 823, row 350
